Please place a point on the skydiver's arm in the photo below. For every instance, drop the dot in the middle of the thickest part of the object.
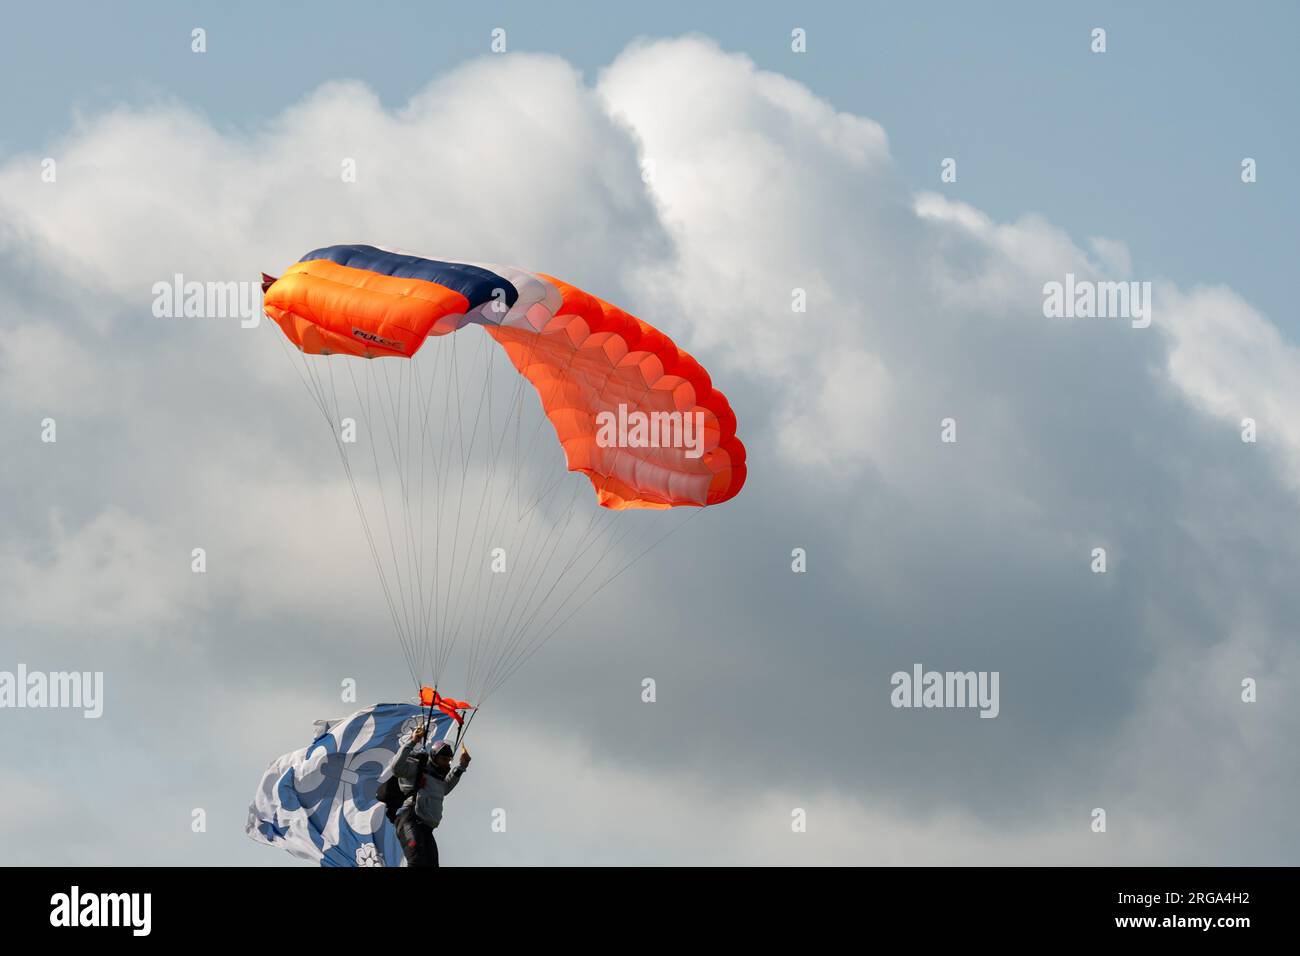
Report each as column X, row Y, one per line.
column 402, row 766
column 453, row 778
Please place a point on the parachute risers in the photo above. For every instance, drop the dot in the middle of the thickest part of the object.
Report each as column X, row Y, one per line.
column 583, row 355
column 429, row 697
column 448, row 705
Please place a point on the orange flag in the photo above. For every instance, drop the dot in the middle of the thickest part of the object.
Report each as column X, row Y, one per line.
column 448, row 705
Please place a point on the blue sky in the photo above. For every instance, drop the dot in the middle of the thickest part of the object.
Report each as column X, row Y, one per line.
column 1143, row 142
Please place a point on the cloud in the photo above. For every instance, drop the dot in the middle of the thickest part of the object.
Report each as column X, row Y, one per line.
column 1232, row 363
column 703, row 193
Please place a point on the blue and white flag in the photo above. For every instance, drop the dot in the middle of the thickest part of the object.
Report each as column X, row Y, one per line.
column 319, row 803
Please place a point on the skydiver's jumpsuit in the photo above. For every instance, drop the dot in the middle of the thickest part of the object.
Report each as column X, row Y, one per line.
column 422, row 811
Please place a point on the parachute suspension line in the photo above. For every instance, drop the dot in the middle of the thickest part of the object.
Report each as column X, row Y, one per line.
column 440, row 495
column 364, row 411
column 314, row 387
column 561, row 474
column 470, row 607
column 517, row 634
column 527, row 559
column 393, row 433
column 425, row 600
column 537, row 646
column 364, row 403
column 428, row 718
column 462, row 730
column 401, row 460
column 417, row 394
column 398, row 402
column 333, row 418
column 490, row 531
column 391, row 404
column 414, row 540
column 460, row 493
column 516, row 545
column 435, row 606
column 514, row 629
column 517, row 648
column 536, row 571
column 498, row 503
column 496, row 512
column 429, row 655
column 402, row 448
column 530, row 607
column 502, row 500
column 474, row 553
column 395, row 404
column 442, row 465
column 551, row 484
column 531, row 568
column 447, row 452
column 371, row 433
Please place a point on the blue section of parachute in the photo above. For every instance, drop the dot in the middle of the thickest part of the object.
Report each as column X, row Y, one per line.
column 473, row 282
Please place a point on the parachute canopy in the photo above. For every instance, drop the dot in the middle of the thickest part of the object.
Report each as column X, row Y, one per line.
column 483, row 547
column 633, row 412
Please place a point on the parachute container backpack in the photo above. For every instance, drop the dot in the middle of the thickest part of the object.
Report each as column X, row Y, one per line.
column 481, row 539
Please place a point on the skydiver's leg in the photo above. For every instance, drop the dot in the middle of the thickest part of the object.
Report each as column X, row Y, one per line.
column 428, row 849
column 415, row 838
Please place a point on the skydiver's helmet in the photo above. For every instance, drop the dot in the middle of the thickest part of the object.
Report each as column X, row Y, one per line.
column 436, row 748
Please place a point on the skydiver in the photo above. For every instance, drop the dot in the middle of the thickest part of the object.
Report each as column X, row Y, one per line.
column 425, row 779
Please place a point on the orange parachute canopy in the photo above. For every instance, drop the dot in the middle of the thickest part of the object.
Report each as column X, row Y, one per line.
column 634, row 413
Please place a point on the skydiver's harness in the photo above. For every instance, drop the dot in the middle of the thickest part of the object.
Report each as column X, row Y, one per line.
column 390, row 792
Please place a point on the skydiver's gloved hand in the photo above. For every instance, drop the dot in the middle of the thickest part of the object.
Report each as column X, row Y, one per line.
column 417, row 735
column 464, row 759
